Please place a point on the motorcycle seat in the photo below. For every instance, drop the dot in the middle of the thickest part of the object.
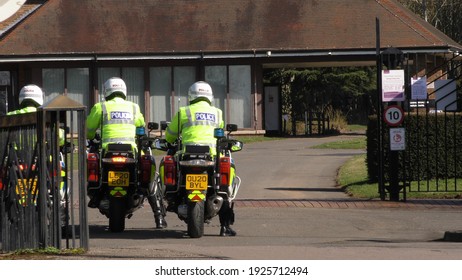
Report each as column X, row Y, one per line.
column 119, row 147
column 196, row 152
column 119, row 150
column 197, row 149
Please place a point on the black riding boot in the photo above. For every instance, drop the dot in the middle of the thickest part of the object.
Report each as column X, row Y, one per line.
column 226, row 216
column 64, row 221
column 159, row 215
column 95, row 198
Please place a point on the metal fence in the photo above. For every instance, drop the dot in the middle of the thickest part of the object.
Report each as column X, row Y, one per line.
column 439, row 161
column 308, row 124
column 432, row 158
column 42, row 190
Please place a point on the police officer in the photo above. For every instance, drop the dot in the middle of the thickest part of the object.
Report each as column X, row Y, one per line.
column 30, row 97
column 196, row 123
column 118, row 119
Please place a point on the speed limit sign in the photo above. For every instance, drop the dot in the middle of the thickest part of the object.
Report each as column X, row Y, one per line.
column 393, row 115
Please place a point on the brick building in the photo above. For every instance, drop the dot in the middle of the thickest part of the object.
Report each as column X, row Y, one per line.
column 161, row 47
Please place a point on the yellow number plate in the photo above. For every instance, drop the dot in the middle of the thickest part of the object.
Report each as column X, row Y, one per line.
column 118, row 179
column 196, row 182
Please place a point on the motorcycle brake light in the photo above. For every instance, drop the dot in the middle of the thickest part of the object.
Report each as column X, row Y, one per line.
column 2, row 174
column 225, row 170
column 92, row 167
column 119, row 159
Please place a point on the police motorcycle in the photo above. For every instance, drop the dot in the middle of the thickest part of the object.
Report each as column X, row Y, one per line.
column 119, row 178
column 195, row 184
column 22, row 171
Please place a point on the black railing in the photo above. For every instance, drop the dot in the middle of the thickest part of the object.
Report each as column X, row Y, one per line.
column 39, row 192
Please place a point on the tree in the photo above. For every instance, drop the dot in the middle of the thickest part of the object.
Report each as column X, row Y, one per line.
column 347, row 91
column 445, row 15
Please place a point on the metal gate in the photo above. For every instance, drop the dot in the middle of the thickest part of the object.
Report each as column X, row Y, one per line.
column 430, row 159
column 40, row 194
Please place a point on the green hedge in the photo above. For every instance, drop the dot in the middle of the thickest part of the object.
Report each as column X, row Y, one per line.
column 433, row 147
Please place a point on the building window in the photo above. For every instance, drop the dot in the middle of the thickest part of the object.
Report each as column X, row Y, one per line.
column 74, row 81
column 183, row 78
column 232, row 87
column 78, row 85
column 133, row 78
column 216, row 76
column 53, row 82
column 160, row 93
column 240, row 103
column 165, row 100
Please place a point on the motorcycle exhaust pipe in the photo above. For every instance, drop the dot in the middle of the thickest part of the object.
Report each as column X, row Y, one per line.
column 214, row 205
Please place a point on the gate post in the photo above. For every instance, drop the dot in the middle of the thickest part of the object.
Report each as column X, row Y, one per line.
column 70, row 190
column 392, row 58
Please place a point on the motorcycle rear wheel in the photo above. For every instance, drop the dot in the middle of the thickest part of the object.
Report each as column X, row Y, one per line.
column 116, row 215
column 196, row 219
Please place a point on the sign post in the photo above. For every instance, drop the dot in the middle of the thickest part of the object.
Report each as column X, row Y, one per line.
column 393, row 115
column 393, row 91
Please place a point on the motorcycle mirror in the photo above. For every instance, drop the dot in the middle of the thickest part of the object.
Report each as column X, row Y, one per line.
column 66, row 129
column 67, row 148
column 160, row 144
column 164, row 125
column 237, row 146
column 231, row 127
column 153, row 126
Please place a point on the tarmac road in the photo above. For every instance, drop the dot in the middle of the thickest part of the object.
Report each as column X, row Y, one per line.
column 289, row 207
column 291, row 169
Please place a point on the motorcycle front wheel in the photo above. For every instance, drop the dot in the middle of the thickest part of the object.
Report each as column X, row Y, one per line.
column 196, row 219
column 116, row 215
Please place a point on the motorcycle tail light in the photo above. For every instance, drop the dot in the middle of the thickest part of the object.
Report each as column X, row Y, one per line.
column 2, row 175
column 119, row 159
column 146, row 164
column 169, row 170
column 92, row 167
column 225, row 170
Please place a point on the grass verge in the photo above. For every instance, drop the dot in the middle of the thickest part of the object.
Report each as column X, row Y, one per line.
column 40, row 254
column 353, row 178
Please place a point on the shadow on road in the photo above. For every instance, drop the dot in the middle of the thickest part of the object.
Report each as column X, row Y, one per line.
column 102, row 232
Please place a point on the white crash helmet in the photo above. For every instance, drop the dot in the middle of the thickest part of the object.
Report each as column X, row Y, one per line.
column 31, row 92
column 200, row 89
column 113, row 85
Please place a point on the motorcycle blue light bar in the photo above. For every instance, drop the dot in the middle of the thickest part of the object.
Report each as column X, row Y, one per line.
column 140, row 131
column 218, row 133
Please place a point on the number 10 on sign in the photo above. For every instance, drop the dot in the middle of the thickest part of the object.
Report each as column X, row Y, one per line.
column 393, row 115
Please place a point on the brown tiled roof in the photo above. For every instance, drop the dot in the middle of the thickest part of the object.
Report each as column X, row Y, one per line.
column 26, row 9
column 183, row 26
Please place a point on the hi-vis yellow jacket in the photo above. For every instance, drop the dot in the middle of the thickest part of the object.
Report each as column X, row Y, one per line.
column 25, row 110
column 118, row 120
column 196, row 124
column 32, row 109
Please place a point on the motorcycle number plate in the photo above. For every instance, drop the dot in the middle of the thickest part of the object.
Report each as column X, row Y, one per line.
column 196, row 182
column 118, row 179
